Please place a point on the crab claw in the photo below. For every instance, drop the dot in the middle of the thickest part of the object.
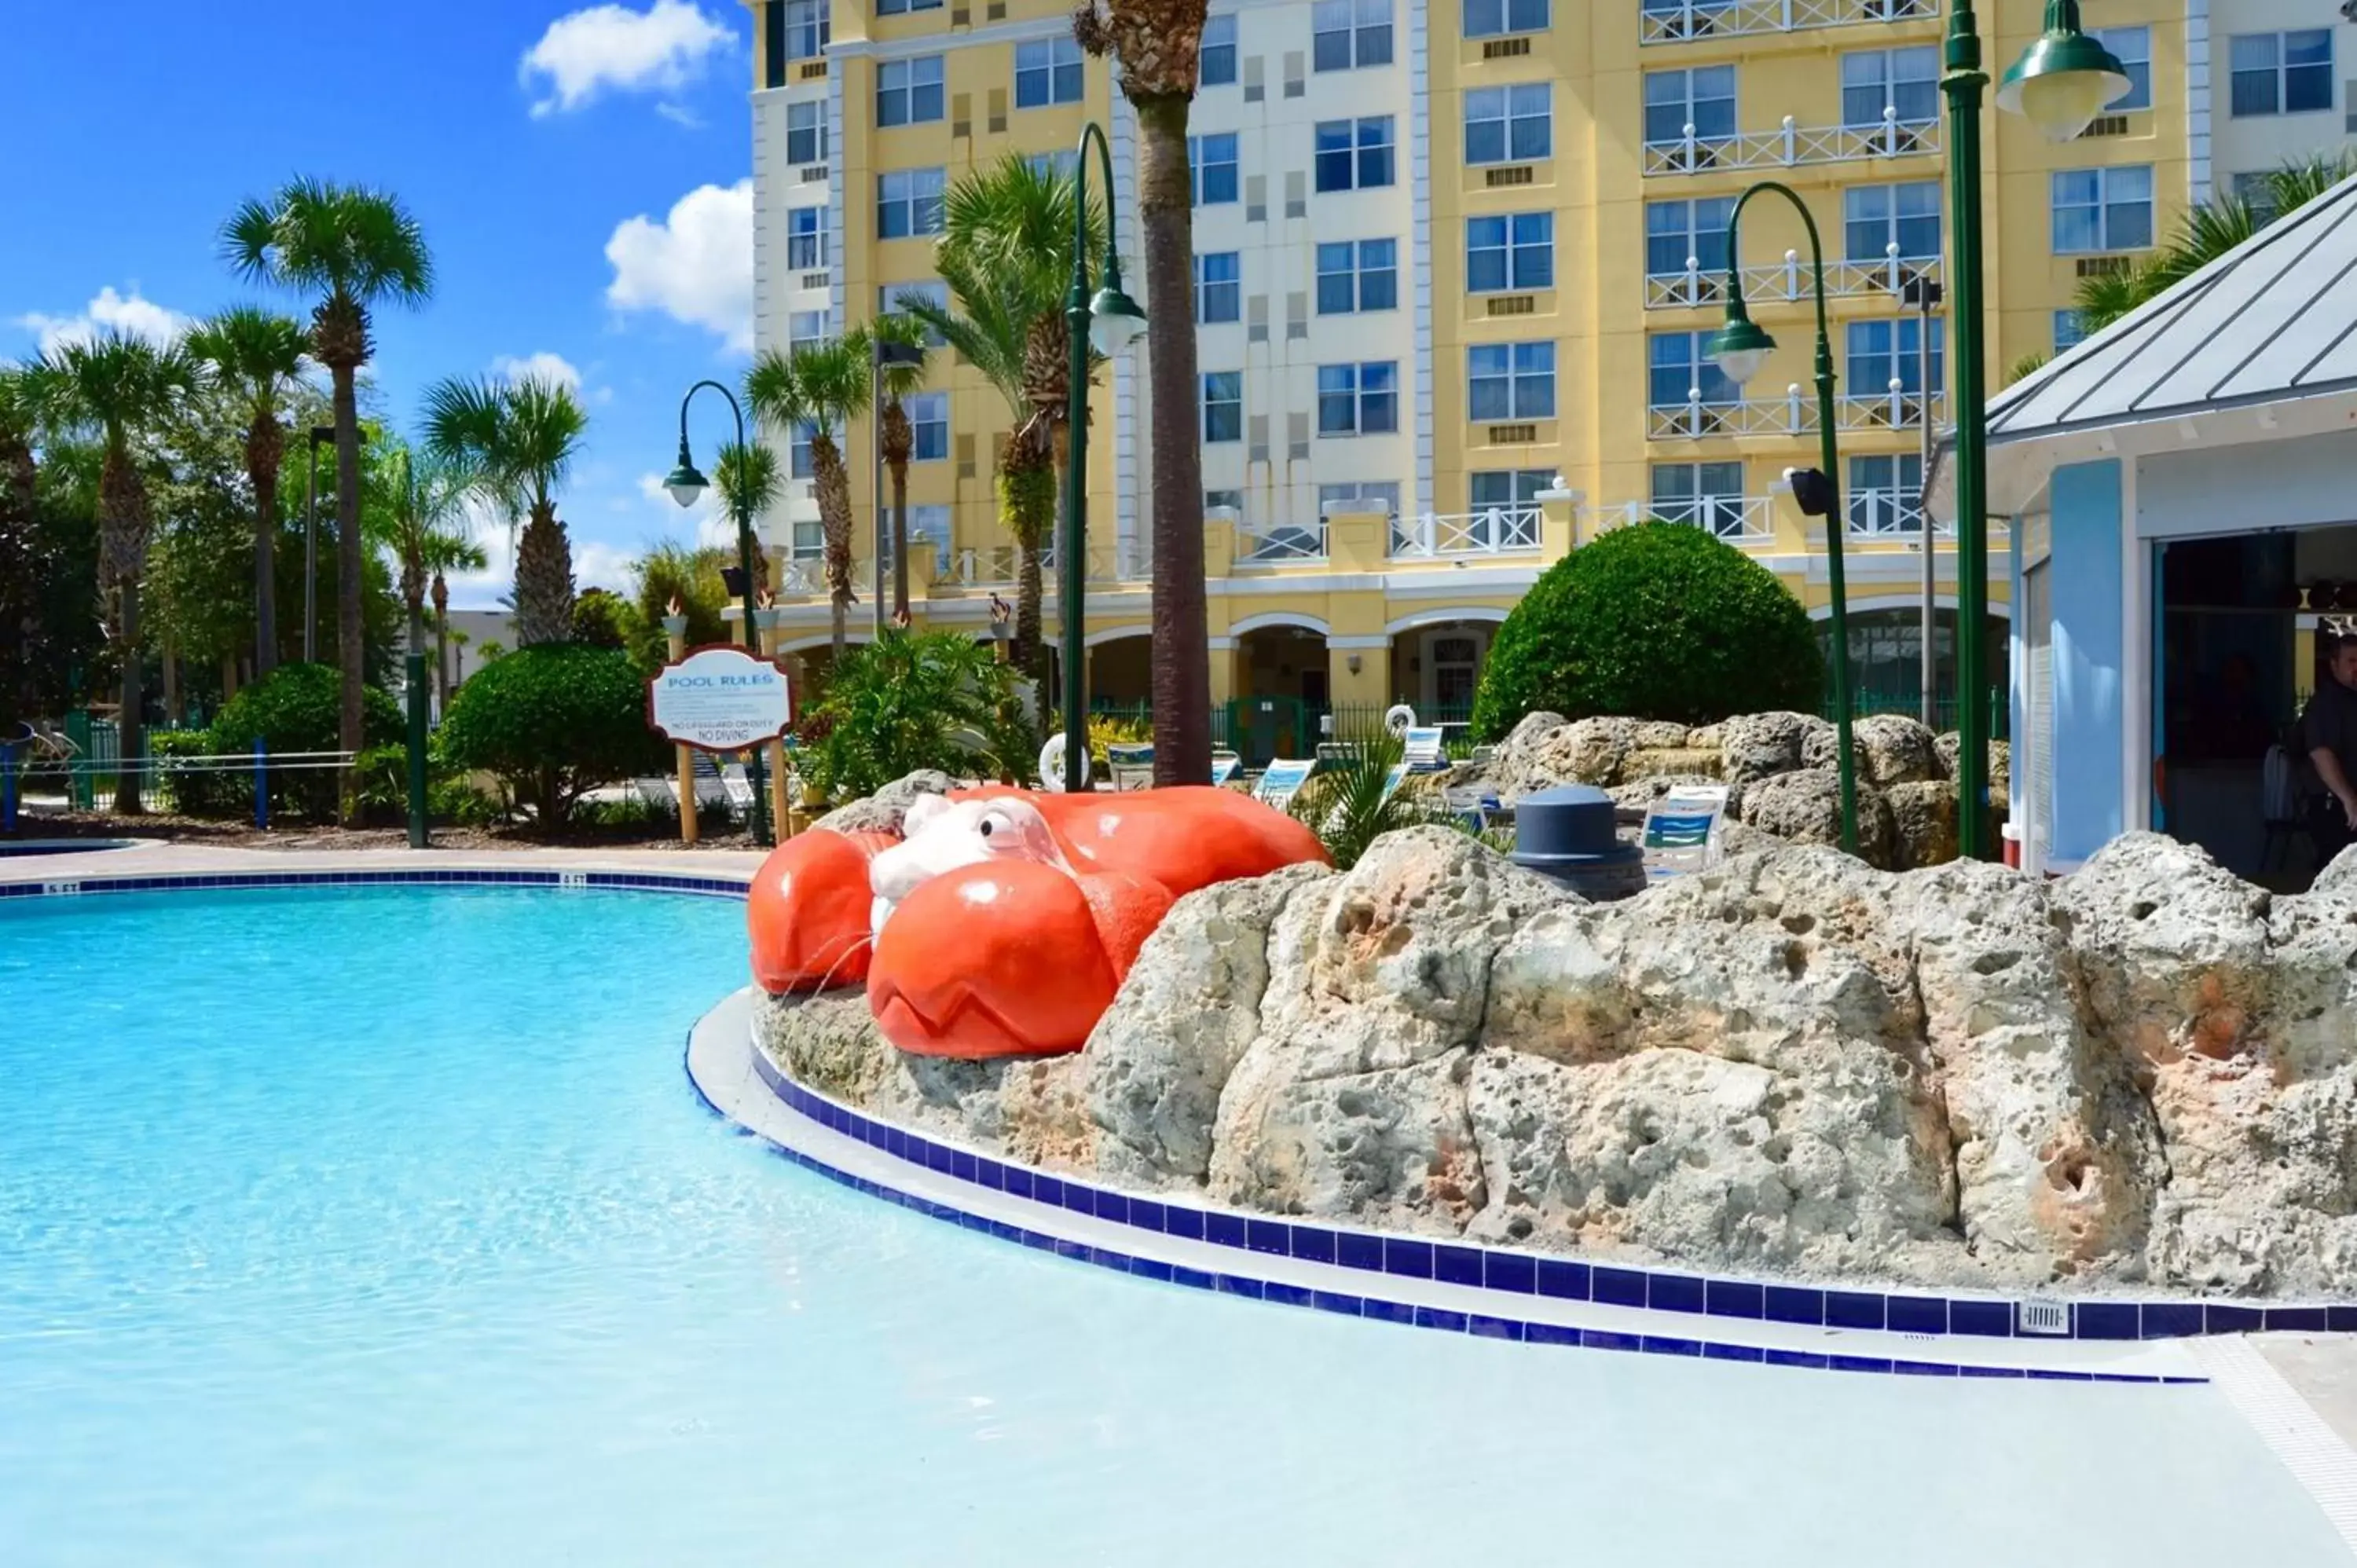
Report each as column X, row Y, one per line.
column 808, row 911
column 1003, row 959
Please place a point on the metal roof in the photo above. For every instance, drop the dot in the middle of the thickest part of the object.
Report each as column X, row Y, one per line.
column 2273, row 318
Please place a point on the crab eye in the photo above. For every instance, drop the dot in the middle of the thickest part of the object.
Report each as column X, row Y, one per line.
column 986, row 825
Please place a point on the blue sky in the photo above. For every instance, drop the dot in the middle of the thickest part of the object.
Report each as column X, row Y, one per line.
column 581, row 173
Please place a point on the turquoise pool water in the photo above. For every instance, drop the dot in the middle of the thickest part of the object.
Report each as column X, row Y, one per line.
column 381, row 1226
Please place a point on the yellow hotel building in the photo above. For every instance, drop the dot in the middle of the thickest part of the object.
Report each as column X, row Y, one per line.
column 1455, row 268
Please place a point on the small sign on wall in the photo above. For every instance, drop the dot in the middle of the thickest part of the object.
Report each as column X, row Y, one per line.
column 719, row 699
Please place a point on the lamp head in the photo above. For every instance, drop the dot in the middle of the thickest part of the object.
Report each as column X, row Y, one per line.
column 1741, row 346
column 687, row 483
column 1114, row 319
column 2062, row 81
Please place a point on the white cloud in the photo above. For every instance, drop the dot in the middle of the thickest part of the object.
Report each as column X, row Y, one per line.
column 680, row 115
column 132, row 314
column 601, row 566
column 695, row 267
column 543, row 366
column 709, row 527
column 611, row 46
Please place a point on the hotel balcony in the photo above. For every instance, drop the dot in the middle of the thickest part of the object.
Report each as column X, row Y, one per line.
column 1791, row 280
column 1793, row 144
column 1794, row 414
column 1737, row 520
column 999, row 566
column 1679, row 21
column 1467, row 536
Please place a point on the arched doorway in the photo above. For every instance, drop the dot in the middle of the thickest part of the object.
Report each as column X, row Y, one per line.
column 1282, row 690
column 1121, row 670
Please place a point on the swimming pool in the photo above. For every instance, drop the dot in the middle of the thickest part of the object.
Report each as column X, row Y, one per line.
column 380, row 1226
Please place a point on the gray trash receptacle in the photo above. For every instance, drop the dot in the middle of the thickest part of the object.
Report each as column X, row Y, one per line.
column 1570, row 835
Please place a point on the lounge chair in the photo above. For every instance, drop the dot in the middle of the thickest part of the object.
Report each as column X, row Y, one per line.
column 1282, row 782
column 1425, row 750
column 1131, row 767
column 1223, row 766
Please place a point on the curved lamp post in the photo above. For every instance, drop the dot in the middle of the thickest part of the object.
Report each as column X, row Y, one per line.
column 1110, row 323
column 2061, row 82
column 687, row 483
column 1741, row 347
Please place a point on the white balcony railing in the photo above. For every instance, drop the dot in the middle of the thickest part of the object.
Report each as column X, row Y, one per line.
column 1886, row 513
column 1794, row 414
column 1792, row 144
column 1676, row 21
column 805, row 577
column 1001, row 565
column 1498, row 531
column 1738, row 520
column 1791, row 280
column 1279, row 542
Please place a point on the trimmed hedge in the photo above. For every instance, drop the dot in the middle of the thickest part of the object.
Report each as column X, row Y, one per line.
column 299, row 707
column 553, row 721
column 1658, row 621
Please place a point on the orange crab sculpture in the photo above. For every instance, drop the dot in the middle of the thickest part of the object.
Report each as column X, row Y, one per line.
column 1000, row 922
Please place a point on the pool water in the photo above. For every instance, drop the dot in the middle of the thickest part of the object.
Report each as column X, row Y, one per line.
column 380, row 1226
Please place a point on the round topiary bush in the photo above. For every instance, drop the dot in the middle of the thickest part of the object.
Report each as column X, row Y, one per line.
column 554, row 722
column 299, row 708
column 1658, row 621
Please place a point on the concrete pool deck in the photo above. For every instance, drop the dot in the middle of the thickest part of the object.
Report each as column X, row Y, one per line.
column 2298, row 1390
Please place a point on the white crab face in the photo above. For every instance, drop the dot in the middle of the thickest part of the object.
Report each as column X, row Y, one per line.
column 940, row 835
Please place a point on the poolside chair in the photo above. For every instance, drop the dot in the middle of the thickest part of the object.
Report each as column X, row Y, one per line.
column 1282, row 782
column 1425, row 750
column 1223, row 767
column 1131, row 767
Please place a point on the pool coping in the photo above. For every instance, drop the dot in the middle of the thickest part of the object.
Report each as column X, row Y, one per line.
column 1095, row 1224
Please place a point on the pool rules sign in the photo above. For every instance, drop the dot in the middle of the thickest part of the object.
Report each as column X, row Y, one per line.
column 719, row 699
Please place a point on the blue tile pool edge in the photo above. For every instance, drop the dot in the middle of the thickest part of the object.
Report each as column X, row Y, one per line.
column 1081, row 1198
column 91, row 886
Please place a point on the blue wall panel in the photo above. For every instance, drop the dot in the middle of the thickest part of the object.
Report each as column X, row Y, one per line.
column 2088, row 658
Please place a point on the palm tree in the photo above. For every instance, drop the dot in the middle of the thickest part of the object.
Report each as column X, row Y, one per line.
column 749, row 481
column 1005, row 252
column 1157, row 43
column 520, row 439
column 256, row 357
column 897, row 380
column 355, row 250
column 20, row 616
column 426, row 503
column 825, row 386
column 119, row 389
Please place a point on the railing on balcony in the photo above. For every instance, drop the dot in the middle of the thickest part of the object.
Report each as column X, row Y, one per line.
column 1794, row 414
column 1496, row 531
column 1276, row 543
column 1791, row 144
column 1791, row 279
column 805, row 577
column 1738, row 520
column 1001, row 565
column 1886, row 513
column 1676, row 21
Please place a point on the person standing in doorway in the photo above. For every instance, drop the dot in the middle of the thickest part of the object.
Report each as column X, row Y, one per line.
column 2327, row 732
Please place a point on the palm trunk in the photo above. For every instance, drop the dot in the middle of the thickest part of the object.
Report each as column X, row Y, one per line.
column 544, row 579
column 834, row 518
column 1027, row 509
column 1183, row 655
column 131, row 735
column 263, row 449
column 349, row 654
column 441, row 645
column 123, row 562
column 900, row 539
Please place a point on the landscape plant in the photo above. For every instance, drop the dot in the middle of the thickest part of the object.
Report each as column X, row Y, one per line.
column 1659, row 620
column 910, row 701
column 1346, row 804
column 255, row 358
column 297, row 708
column 824, row 386
column 552, row 722
column 518, row 439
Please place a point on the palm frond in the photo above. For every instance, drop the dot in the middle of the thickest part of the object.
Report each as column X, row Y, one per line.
column 346, row 242
column 833, row 379
column 257, row 355
column 899, row 380
column 772, row 391
column 748, row 478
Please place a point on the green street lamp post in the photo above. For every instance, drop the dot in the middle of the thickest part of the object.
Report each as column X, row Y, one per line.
column 1111, row 323
column 1741, row 347
column 2061, row 82
column 685, row 484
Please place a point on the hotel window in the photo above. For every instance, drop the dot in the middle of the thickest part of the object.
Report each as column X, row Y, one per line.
column 805, row 133
column 898, row 7
column 1509, row 254
column 1064, row 162
column 2281, row 74
column 1886, row 493
column 1876, row 217
column 1703, row 98
column 908, row 203
column 1509, row 125
column 1359, row 400
column 1490, row 18
column 1355, row 154
column 931, row 525
column 1232, row 500
column 1219, row 288
column 1679, row 231
column 1358, row 275
column 806, row 326
column 1046, row 72
column 807, row 30
column 2101, row 210
column 805, row 238
column 1511, row 488
column 1510, row 380
column 1223, row 406
column 1215, row 62
column 1881, row 352
column 773, row 43
column 908, row 92
column 896, row 298
column 1211, row 168
column 1348, row 33
column 798, row 451
column 929, row 418
column 1707, row 495
column 1361, row 495
column 2069, row 331
column 1679, row 363
column 1906, row 80
column 2258, row 192
column 2132, row 47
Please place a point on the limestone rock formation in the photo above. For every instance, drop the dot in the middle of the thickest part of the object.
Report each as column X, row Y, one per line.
column 1805, row 808
column 1922, row 823
column 882, row 811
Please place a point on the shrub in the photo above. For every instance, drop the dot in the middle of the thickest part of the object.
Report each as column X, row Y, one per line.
column 194, row 789
column 1346, row 805
column 297, row 708
column 601, row 619
column 554, row 722
column 911, row 701
column 1658, row 621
